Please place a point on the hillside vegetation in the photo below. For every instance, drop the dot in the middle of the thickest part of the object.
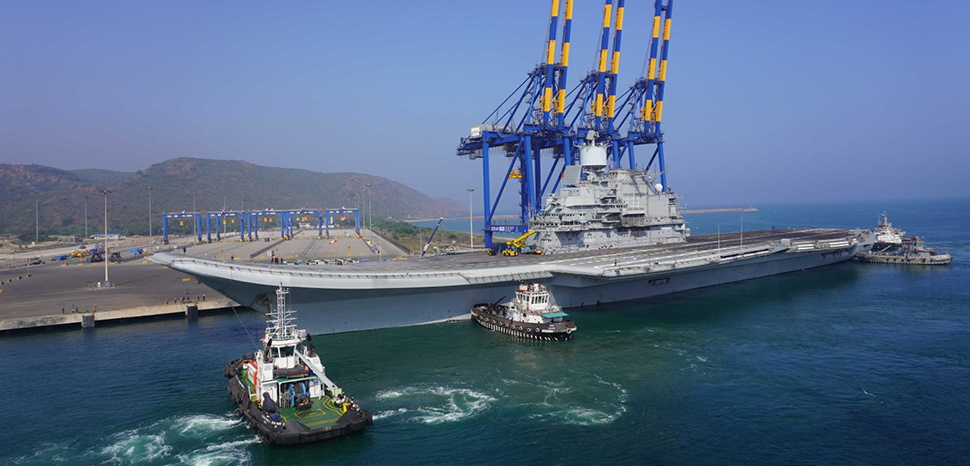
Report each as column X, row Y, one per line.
column 62, row 194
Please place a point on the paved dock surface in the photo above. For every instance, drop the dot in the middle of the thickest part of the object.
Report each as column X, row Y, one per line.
column 52, row 289
column 58, row 293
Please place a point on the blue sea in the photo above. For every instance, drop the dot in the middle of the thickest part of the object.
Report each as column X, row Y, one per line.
column 849, row 364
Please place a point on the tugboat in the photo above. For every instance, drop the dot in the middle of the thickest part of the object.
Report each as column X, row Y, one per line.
column 887, row 237
column 283, row 393
column 913, row 252
column 531, row 314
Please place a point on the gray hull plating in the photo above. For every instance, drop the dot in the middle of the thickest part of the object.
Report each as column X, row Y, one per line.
column 334, row 303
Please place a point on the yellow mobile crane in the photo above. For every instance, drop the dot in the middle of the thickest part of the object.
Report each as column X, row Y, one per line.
column 516, row 246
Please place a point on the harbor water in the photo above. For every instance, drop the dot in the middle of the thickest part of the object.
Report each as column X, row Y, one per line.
column 850, row 364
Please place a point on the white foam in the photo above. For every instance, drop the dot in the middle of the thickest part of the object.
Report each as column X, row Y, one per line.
column 384, row 414
column 561, row 404
column 215, row 458
column 437, row 404
column 135, row 447
column 204, row 424
column 220, row 454
column 388, row 394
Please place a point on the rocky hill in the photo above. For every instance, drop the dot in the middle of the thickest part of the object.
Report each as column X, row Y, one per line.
column 62, row 194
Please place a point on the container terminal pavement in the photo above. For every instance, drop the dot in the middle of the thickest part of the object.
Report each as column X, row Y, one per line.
column 62, row 293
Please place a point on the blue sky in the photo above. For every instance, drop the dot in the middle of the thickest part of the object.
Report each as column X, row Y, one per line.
column 766, row 101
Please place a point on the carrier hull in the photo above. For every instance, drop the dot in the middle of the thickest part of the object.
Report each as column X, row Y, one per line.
column 422, row 291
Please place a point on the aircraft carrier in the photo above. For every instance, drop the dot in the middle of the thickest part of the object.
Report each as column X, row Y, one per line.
column 609, row 235
column 606, row 233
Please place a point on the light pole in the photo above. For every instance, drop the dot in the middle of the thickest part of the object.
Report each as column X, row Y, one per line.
column 195, row 224
column 471, row 229
column 85, row 219
column 151, row 240
column 742, row 232
column 36, row 221
column 106, row 192
column 370, row 214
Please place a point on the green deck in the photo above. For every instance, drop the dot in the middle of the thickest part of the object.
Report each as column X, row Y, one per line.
column 322, row 413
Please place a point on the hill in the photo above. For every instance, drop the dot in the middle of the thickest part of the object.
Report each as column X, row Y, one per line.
column 62, row 194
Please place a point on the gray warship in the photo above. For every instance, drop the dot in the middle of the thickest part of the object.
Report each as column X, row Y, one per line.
column 599, row 208
column 607, row 236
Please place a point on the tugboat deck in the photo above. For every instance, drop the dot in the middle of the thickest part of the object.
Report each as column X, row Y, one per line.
column 322, row 413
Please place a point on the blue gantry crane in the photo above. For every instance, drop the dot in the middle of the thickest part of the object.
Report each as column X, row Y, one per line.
column 535, row 120
column 218, row 222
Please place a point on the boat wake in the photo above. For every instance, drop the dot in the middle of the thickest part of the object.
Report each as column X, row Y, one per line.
column 434, row 405
column 597, row 403
column 200, row 439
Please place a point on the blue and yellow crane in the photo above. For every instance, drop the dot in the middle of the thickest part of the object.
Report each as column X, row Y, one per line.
column 541, row 119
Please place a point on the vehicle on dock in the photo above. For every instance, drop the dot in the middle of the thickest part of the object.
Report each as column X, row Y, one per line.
column 531, row 314
column 516, row 246
column 912, row 252
column 283, row 393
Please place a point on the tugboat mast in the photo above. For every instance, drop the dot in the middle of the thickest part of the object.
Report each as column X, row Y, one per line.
column 281, row 320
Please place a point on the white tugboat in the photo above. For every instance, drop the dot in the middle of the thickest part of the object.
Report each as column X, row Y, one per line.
column 912, row 252
column 887, row 237
column 283, row 392
column 531, row 314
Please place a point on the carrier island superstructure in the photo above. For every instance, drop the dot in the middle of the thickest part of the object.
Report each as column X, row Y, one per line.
column 608, row 233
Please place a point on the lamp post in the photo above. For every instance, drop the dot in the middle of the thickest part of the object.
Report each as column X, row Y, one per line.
column 370, row 215
column 151, row 239
column 36, row 221
column 105, row 192
column 471, row 229
column 195, row 223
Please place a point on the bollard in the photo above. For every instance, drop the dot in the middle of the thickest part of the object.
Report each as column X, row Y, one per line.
column 87, row 321
column 192, row 312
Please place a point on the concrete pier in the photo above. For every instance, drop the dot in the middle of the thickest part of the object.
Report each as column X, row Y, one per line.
column 192, row 312
column 90, row 320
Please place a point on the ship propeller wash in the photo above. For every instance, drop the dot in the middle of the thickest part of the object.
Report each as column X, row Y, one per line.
column 283, row 392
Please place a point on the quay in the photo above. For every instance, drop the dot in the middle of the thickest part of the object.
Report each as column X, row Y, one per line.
column 67, row 294
column 87, row 320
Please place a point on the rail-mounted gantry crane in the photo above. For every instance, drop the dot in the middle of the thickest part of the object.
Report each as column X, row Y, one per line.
column 535, row 120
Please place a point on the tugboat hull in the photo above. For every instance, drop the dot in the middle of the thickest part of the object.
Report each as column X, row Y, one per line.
column 492, row 317
column 280, row 432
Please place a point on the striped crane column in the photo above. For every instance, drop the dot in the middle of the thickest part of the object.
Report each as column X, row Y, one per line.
column 550, row 64
column 652, row 67
column 614, row 70
column 660, row 92
column 560, row 107
column 615, row 63
column 601, row 69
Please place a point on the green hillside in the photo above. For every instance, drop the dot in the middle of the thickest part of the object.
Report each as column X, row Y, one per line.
column 62, row 194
